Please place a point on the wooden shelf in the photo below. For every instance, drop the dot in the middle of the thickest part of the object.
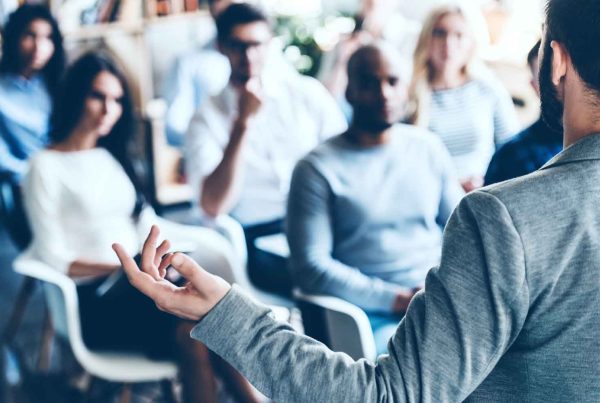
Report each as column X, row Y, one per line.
column 130, row 27
column 101, row 30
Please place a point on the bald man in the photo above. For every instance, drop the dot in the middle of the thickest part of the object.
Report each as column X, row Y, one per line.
column 367, row 208
column 511, row 313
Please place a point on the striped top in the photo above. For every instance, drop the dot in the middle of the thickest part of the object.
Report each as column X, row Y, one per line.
column 473, row 120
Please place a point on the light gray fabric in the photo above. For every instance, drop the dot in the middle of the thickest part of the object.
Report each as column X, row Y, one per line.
column 510, row 315
column 363, row 223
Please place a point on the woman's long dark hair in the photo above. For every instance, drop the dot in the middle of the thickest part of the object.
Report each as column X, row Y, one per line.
column 70, row 107
column 15, row 27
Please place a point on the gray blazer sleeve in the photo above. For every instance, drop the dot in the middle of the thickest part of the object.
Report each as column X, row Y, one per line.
column 455, row 331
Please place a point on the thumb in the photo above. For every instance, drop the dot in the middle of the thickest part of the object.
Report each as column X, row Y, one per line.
column 189, row 269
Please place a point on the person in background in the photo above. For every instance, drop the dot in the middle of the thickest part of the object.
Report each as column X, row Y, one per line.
column 376, row 20
column 32, row 63
column 242, row 144
column 453, row 95
column 530, row 149
column 203, row 73
column 83, row 190
column 367, row 208
column 194, row 77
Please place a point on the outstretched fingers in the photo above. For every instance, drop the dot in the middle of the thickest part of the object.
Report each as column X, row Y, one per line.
column 140, row 280
column 149, row 253
column 162, row 249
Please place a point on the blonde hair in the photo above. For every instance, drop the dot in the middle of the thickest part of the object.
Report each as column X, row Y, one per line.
column 419, row 90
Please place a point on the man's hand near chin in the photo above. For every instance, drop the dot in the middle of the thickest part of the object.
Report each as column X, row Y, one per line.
column 193, row 301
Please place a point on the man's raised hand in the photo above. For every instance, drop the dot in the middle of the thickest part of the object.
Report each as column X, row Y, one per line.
column 200, row 294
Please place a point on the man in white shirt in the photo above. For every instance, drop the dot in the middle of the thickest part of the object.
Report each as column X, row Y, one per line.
column 242, row 144
column 202, row 73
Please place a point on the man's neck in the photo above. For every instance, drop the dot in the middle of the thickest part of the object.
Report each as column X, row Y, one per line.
column 366, row 139
column 581, row 118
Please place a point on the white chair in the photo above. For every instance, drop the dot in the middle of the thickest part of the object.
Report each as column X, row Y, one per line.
column 346, row 327
column 61, row 298
column 233, row 231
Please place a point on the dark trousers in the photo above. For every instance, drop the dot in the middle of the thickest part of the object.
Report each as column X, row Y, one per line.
column 267, row 271
column 123, row 319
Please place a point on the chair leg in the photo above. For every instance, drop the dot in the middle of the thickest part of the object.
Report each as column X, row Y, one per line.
column 168, row 391
column 125, row 394
column 25, row 293
column 43, row 364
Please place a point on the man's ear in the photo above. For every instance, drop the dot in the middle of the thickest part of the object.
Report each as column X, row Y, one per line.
column 560, row 61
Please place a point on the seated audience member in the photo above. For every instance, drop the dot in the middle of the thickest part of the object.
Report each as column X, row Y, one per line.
column 531, row 148
column 81, row 193
column 376, row 20
column 242, row 144
column 200, row 74
column 30, row 68
column 367, row 208
column 453, row 96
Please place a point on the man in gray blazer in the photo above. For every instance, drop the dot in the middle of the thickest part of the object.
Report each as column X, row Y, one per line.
column 511, row 313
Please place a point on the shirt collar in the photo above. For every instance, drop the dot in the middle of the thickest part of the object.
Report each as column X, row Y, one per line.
column 21, row 82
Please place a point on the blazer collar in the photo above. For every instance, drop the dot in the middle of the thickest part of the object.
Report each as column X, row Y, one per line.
column 588, row 148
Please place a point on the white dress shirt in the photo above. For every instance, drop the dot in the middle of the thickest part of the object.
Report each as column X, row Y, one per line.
column 79, row 203
column 297, row 114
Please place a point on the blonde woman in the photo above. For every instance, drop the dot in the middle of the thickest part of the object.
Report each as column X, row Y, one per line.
column 453, row 95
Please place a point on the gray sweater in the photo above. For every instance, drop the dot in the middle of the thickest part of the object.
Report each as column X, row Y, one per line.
column 510, row 315
column 364, row 222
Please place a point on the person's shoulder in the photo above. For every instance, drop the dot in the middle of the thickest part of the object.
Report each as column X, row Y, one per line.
column 302, row 84
column 43, row 158
column 418, row 135
column 324, row 154
column 488, row 85
column 524, row 194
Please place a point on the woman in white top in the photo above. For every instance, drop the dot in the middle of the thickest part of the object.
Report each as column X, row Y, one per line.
column 453, row 95
column 80, row 193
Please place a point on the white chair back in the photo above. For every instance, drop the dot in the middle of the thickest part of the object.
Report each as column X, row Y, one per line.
column 347, row 327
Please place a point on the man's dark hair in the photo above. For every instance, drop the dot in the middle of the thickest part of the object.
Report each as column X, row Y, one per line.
column 533, row 53
column 15, row 27
column 237, row 14
column 575, row 24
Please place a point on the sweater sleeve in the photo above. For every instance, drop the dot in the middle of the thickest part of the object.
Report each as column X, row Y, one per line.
column 310, row 237
column 41, row 196
column 442, row 350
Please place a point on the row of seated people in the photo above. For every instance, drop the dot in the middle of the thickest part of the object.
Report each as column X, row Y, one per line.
column 365, row 208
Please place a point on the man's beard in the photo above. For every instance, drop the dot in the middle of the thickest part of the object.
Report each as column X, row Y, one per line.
column 552, row 106
column 366, row 119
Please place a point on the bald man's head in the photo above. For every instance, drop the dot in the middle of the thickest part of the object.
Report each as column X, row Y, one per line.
column 376, row 87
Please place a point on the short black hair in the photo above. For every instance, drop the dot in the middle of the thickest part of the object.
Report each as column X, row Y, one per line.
column 16, row 25
column 534, row 53
column 576, row 25
column 237, row 14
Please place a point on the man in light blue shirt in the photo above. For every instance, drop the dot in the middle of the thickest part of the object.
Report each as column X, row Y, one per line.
column 367, row 208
